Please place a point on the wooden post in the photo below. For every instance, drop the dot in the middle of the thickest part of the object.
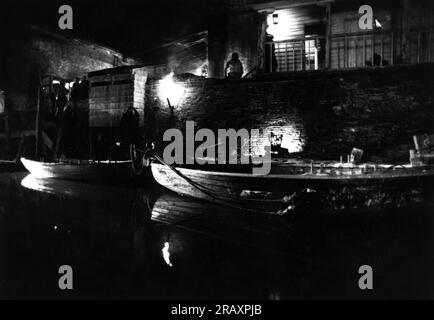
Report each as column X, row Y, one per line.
column 416, row 143
column 91, row 155
column 345, row 51
column 38, row 124
column 364, row 50
column 58, row 141
column 406, row 7
column 7, row 131
column 392, row 49
column 328, row 39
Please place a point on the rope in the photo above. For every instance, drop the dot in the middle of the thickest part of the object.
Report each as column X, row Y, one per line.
column 223, row 199
column 285, row 199
column 137, row 172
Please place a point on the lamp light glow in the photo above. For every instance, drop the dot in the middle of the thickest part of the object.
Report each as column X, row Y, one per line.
column 166, row 254
column 170, row 89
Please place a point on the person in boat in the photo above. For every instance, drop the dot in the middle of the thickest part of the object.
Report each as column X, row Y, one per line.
column 234, row 67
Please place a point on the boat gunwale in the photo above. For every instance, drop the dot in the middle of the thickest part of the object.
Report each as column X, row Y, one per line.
column 305, row 176
column 57, row 164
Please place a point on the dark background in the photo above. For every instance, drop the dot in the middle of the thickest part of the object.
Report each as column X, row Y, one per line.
column 126, row 25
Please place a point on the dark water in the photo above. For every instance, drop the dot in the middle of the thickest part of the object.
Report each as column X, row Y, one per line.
column 113, row 238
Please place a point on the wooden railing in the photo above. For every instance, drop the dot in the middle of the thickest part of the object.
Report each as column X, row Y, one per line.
column 294, row 55
column 420, row 45
column 351, row 50
column 357, row 50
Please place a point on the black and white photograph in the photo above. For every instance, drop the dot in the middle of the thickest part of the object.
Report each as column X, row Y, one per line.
column 217, row 154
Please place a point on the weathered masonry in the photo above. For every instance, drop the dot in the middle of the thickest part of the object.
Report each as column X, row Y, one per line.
column 320, row 115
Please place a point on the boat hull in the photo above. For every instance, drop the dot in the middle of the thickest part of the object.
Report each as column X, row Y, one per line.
column 328, row 192
column 83, row 172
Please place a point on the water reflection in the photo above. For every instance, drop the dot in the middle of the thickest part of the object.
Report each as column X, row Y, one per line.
column 120, row 241
column 166, row 254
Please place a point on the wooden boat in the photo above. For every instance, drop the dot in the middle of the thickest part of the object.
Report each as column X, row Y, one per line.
column 329, row 186
column 80, row 170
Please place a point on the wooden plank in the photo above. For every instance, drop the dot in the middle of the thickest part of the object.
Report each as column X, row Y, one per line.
column 328, row 36
column 2, row 102
column 382, row 49
column 38, row 124
column 7, row 132
column 47, row 141
column 392, row 48
column 108, row 103
column 345, row 51
column 406, row 13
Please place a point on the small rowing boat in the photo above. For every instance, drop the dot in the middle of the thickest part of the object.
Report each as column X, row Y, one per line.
column 80, row 170
column 334, row 186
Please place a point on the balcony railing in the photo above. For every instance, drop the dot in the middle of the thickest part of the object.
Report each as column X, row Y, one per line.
column 351, row 50
column 294, row 55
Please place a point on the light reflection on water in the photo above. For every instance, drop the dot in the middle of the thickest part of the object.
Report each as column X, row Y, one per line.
column 144, row 242
column 166, row 254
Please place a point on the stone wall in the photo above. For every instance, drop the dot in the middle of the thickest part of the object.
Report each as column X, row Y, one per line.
column 322, row 115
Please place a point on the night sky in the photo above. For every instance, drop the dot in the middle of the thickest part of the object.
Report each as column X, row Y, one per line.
column 130, row 26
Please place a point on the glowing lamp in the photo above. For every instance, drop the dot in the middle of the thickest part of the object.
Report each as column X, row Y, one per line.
column 166, row 254
column 170, row 89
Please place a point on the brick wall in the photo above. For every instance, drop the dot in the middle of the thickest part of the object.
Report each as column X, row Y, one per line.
column 322, row 114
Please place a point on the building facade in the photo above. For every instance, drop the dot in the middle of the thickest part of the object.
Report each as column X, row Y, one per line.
column 302, row 35
column 332, row 86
